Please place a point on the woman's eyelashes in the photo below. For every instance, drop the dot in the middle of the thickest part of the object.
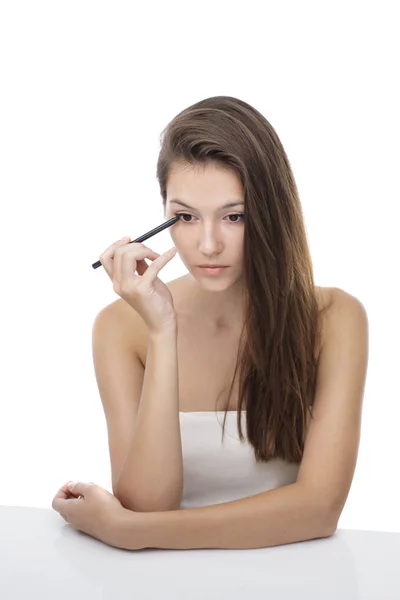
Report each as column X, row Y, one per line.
column 241, row 215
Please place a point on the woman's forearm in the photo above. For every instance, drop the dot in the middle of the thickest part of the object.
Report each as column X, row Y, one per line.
column 152, row 475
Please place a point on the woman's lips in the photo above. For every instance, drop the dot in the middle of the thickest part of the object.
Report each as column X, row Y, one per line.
column 213, row 270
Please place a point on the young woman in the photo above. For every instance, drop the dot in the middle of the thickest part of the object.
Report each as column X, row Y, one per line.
column 285, row 359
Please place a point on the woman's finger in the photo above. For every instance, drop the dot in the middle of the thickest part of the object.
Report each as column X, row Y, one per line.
column 110, row 250
column 125, row 261
column 142, row 266
column 64, row 493
column 153, row 270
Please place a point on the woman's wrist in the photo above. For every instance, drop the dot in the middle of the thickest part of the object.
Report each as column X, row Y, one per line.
column 168, row 330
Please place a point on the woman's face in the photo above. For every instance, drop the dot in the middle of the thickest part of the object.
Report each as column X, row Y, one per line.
column 207, row 232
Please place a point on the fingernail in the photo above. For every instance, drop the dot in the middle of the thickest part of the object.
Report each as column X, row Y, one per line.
column 71, row 484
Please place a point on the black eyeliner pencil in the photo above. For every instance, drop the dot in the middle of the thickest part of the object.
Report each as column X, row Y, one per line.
column 146, row 236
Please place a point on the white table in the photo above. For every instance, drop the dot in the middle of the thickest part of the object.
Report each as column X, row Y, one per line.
column 41, row 556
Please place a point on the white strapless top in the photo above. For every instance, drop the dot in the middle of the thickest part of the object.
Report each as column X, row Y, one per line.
column 216, row 471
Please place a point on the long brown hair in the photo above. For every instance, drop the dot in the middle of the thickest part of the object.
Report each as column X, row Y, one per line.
column 282, row 334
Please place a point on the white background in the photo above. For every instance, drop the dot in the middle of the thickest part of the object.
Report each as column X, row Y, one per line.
column 86, row 89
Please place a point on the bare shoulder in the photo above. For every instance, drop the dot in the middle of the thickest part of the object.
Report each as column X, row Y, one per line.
column 120, row 311
column 126, row 319
column 342, row 300
column 345, row 306
column 132, row 326
column 335, row 304
column 331, row 301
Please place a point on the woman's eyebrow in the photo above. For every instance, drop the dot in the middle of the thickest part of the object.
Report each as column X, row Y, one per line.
column 228, row 205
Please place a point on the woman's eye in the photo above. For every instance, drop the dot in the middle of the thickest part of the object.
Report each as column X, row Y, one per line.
column 183, row 215
column 237, row 215
column 232, row 215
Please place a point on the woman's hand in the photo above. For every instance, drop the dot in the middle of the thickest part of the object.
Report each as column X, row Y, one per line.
column 91, row 509
column 145, row 292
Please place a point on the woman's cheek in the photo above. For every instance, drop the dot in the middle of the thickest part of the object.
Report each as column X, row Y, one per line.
column 178, row 237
